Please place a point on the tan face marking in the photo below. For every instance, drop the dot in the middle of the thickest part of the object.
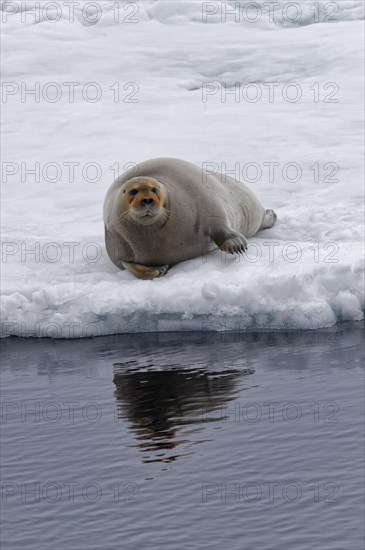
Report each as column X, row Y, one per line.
column 141, row 189
column 136, row 201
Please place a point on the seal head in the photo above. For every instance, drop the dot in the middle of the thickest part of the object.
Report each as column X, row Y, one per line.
column 143, row 201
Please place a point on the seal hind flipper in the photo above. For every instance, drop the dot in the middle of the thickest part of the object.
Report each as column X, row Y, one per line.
column 269, row 219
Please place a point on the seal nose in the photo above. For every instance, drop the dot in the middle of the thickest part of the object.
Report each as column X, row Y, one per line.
column 147, row 202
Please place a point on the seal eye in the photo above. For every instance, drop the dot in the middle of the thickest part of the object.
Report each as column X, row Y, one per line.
column 133, row 192
column 154, row 190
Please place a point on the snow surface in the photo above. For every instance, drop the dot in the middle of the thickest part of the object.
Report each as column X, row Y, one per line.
column 169, row 53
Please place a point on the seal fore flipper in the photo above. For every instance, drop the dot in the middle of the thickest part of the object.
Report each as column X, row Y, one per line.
column 145, row 272
column 230, row 241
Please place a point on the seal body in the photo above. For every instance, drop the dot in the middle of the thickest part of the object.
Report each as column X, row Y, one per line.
column 164, row 211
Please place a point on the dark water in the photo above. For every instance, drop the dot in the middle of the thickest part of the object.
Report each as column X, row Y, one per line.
column 180, row 441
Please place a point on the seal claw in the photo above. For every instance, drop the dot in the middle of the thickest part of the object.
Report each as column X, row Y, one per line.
column 234, row 244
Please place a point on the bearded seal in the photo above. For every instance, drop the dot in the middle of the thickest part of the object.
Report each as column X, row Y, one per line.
column 164, row 211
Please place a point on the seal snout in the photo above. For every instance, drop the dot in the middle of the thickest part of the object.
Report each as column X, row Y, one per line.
column 147, row 202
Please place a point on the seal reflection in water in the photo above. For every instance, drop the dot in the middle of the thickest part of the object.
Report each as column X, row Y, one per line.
column 160, row 404
column 165, row 211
